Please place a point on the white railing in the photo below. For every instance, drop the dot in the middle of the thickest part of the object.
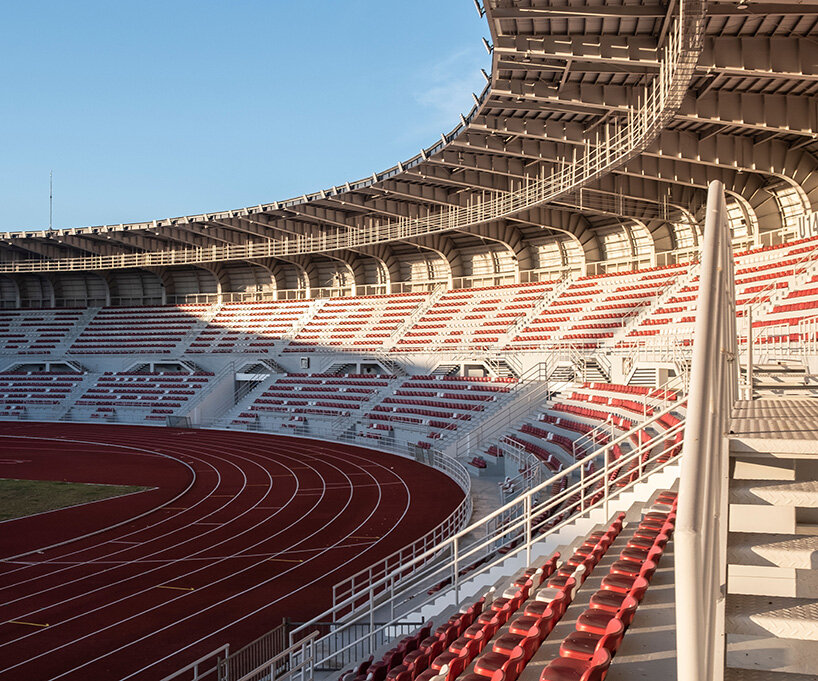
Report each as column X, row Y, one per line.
column 512, row 530
column 202, row 668
column 612, row 145
column 701, row 525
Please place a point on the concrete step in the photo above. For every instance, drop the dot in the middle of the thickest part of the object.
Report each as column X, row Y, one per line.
column 772, row 564
column 769, row 505
column 773, row 658
column 762, row 467
column 785, row 618
column 773, row 447
column 762, row 580
column 794, row 551
column 801, row 494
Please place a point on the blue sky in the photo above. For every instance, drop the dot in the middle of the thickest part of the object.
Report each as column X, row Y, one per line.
column 157, row 109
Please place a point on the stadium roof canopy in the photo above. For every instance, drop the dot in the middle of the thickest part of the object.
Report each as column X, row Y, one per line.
column 600, row 126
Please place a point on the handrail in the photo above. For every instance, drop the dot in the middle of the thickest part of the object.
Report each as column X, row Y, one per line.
column 298, row 657
column 563, row 283
column 215, row 655
column 530, row 394
column 700, row 527
column 638, row 315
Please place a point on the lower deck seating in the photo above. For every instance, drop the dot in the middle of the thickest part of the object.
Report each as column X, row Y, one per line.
column 149, row 396
column 567, row 430
column 586, row 653
column 20, row 391
column 300, row 395
column 433, row 406
column 495, row 637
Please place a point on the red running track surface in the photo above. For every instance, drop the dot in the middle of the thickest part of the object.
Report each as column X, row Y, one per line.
column 238, row 531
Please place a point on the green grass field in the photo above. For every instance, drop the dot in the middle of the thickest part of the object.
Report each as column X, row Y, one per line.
column 20, row 498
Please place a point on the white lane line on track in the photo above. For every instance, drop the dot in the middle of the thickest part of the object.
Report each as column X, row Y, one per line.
column 186, row 450
column 354, row 545
column 167, row 520
column 137, row 451
column 296, row 566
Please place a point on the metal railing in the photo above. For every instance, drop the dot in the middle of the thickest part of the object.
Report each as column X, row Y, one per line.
column 510, row 531
column 562, row 285
column 296, row 661
column 532, row 471
column 255, row 655
column 360, row 636
column 701, row 525
column 205, row 667
column 632, row 321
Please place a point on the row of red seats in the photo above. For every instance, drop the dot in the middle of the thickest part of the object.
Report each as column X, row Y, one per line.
column 512, row 649
column 434, row 403
column 586, row 654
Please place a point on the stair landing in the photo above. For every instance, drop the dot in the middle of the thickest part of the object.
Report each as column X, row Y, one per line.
column 775, row 426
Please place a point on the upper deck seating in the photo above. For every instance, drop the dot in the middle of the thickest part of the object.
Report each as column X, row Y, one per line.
column 129, row 330
column 36, row 331
column 249, row 327
column 472, row 318
column 592, row 308
column 760, row 274
column 362, row 322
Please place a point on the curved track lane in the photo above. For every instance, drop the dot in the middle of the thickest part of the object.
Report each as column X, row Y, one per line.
column 236, row 531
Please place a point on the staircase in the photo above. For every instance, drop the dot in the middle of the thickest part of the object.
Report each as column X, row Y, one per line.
column 562, row 373
column 548, row 298
column 790, row 377
column 76, row 330
column 592, row 372
column 444, row 369
column 409, row 322
column 632, row 322
column 201, row 323
column 339, row 368
column 643, row 376
column 771, row 617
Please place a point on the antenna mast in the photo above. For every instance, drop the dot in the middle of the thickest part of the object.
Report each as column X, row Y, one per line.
column 50, row 198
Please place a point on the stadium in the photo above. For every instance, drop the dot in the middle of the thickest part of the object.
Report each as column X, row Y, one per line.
column 536, row 403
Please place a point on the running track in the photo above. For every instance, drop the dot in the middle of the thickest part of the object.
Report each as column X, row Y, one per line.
column 238, row 531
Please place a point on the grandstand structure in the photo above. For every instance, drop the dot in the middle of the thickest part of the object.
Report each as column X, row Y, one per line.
column 550, row 295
